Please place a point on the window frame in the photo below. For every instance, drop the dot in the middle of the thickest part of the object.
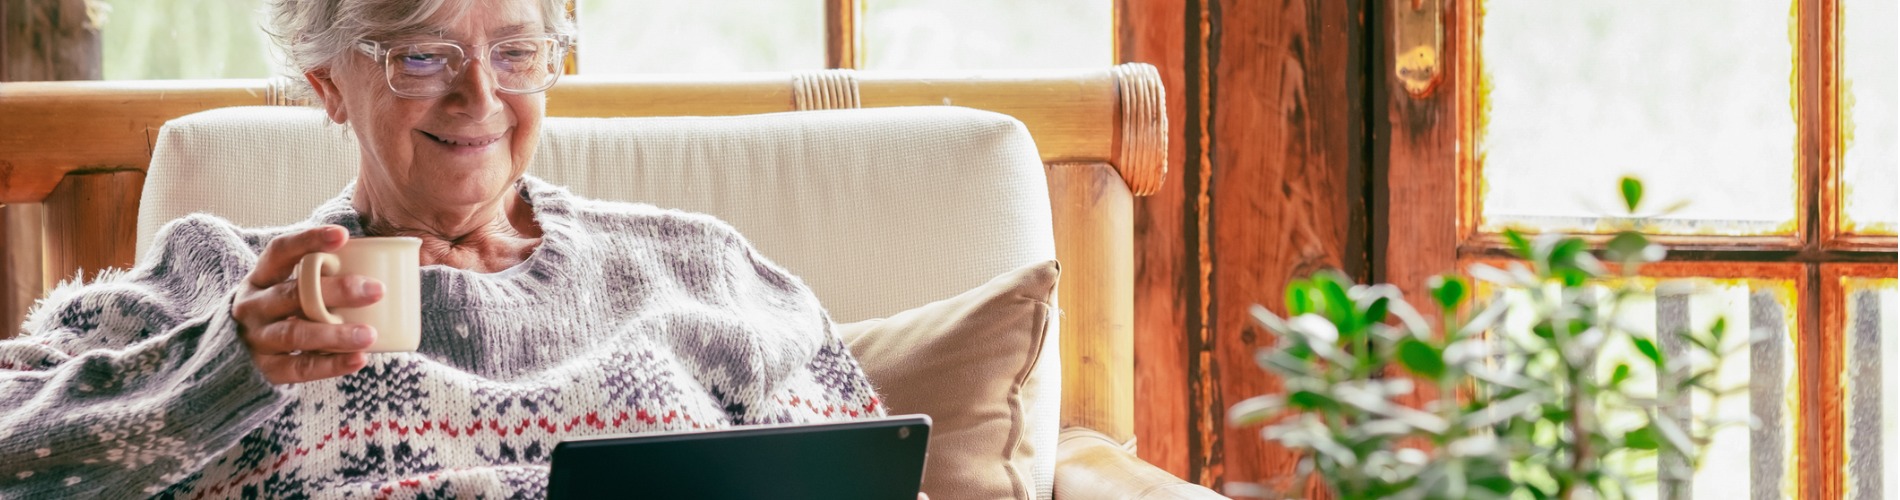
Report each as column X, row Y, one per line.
column 1427, row 186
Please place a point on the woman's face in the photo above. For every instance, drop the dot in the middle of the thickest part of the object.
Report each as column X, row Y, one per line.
column 463, row 148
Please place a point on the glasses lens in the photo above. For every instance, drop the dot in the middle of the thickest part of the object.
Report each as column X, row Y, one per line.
column 526, row 65
column 424, row 68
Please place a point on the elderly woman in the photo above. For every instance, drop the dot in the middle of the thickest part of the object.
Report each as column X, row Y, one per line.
column 546, row 316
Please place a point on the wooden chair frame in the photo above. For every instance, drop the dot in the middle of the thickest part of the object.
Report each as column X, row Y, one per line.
column 81, row 150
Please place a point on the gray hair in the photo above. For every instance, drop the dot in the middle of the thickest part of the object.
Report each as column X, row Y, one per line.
column 312, row 34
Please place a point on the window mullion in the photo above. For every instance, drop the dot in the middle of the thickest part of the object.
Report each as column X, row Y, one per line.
column 842, row 34
column 1817, row 120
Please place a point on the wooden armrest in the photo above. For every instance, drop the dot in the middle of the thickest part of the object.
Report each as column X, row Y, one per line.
column 1090, row 465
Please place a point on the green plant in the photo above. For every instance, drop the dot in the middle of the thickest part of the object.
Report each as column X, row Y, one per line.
column 1523, row 401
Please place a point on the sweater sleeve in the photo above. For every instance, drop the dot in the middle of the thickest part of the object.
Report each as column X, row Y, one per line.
column 126, row 385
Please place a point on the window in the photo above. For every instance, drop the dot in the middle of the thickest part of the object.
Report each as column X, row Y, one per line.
column 1772, row 122
column 184, row 39
column 190, row 39
column 647, row 36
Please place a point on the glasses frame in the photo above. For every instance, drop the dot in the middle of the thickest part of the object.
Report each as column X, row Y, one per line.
column 381, row 54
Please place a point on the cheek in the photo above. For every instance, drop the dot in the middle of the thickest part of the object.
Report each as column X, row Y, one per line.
column 528, row 111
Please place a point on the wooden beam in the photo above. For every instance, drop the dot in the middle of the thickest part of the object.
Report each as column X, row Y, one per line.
column 1074, row 115
column 1206, row 411
column 1416, row 178
column 1091, row 207
column 842, row 49
column 88, row 219
column 1167, row 278
column 1817, row 108
column 39, row 40
column 1288, row 193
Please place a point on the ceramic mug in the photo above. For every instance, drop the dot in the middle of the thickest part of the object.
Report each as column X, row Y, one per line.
column 397, row 317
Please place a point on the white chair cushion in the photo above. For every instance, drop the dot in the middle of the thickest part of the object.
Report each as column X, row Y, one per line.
column 878, row 210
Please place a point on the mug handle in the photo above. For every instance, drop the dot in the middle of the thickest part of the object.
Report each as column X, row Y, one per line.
column 310, row 273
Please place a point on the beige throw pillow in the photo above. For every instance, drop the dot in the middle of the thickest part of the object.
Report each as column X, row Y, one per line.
column 966, row 361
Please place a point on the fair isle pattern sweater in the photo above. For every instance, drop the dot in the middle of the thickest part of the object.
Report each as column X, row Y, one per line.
column 626, row 319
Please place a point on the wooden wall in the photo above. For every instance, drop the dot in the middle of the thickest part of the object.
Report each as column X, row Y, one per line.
column 1268, row 181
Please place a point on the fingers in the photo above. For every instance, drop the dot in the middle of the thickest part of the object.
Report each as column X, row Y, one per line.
column 282, row 253
column 281, row 301
column 295, row 335
column 284, row 369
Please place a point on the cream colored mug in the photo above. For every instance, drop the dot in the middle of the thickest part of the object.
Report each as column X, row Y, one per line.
column 397, row 317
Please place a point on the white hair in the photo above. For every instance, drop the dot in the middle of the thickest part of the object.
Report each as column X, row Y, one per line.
column 312, row 34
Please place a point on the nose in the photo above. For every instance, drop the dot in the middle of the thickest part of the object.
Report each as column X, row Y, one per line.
column 474, row 93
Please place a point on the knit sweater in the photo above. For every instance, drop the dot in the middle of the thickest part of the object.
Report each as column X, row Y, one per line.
column 627, row 318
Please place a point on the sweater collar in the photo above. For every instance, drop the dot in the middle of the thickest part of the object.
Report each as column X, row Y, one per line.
column 553, row 208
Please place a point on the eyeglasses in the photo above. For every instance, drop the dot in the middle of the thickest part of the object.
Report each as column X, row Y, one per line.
column 426, row 70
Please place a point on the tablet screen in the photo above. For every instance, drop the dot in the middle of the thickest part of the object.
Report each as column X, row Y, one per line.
column 870, row 459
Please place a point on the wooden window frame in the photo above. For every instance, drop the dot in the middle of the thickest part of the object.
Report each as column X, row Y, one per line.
column 1427, row 186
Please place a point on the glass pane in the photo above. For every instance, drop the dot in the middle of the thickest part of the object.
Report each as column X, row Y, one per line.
column 1693, row 96
column 986, row 34
column 669, row 36
column 168, row 39
column 1871, row 50
column 1872, row 382
column 1740, row 461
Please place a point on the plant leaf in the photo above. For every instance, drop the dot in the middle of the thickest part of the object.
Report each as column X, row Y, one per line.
column 1492, row 274
column 1563, row 255
column 1377, row 310
column 1299, row 298
column 1632, row 193
column 1648, row 349
column 1643, row 438
column 1256, row 409
column 1628, row 246
column 1421, row 358
column 1519, row 245
column 1621, row 374
column 1448, row 290
column 1309, row 400
column 1317, row 330
column 1672, row 433
column 1338, row 306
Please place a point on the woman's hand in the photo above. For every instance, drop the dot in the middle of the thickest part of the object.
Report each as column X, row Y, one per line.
column 285, row 345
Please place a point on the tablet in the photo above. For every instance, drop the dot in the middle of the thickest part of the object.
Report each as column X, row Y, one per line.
column 870, row 459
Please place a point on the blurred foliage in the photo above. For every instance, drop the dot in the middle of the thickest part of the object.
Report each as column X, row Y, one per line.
column 1520, row 411
column 169, row 39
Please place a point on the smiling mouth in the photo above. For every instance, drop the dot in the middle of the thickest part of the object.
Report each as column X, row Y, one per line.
column 464, row 141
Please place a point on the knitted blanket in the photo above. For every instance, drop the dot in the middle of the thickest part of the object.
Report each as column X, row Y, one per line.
column 627, row 318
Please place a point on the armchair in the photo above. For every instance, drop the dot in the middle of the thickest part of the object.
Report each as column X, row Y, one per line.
column 879, row 210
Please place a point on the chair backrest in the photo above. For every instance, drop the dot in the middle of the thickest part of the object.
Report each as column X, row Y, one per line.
column 879, row 210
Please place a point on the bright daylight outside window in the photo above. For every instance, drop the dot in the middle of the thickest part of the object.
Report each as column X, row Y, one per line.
column 167, row 39
column 173, row 39
column 1581, row 93
column 1702, row 100
column 664, row 36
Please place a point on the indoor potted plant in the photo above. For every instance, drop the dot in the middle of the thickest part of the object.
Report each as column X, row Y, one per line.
column 1520, row 397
